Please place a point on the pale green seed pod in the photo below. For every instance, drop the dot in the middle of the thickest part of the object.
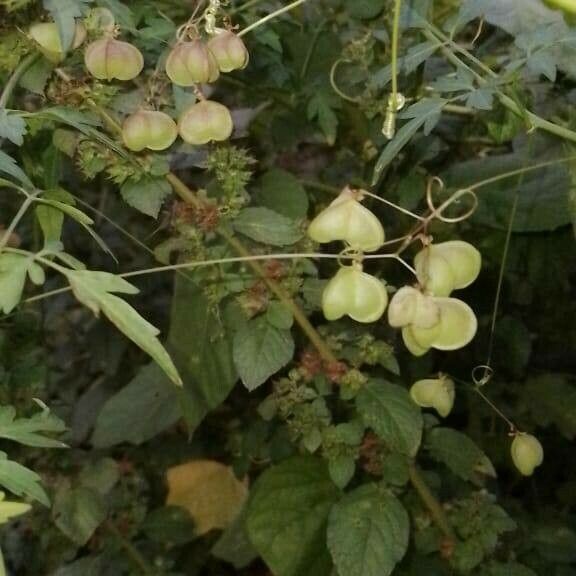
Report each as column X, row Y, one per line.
column 46, row 35
column 149, row 129
column 354, row 293
column 456, row 328
column 437, row 393
column 191, row 63
column 108, row 59
column 527, row 453
column 204, row 122
column 347, row 220
column 410, row 307
column 413, row 346
column 447, row 266
column 568, row 6
column 229, row 51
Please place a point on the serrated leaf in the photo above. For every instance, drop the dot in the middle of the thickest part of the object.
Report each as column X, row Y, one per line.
column 12, row 127
column 321, row 107
column 94, row 290
column 260, row 350
column 389, row 411
column 459, row 453
column 282, row 192
column 146, row 194
column 287, row 515
column 31, row 431
column 78, row 512
column 145, row 407
column 268, row 227
column 21, row 481
column 368, row 532
column 65, row 13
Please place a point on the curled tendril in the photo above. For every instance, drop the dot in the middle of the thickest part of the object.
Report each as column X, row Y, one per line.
column 350, row 255
column 437, row 212
column 482, row 374
column 335, row 85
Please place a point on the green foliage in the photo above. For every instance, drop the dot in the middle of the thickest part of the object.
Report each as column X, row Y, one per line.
column 341, row 471
column 288, row 514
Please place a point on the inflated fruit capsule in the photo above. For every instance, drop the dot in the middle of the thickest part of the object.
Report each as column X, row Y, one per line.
column 456, row 328
column 204, row 122
column 108, row 59
column 354, row 293
column 149, row 129
column 527, row 453
column 345, row 219
column 229, row 51
column 437, row 393
column 191, row 63
column 409, row 306
column 46, row 35
column 447, row 266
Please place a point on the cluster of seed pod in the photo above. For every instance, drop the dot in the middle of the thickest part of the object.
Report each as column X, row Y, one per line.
column 429, row 318
column 190, row 62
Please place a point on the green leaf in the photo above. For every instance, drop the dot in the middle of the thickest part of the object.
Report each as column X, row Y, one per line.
column 234, row 546
column 389, row 411
column 50, row 217
column 65, row 13
column 266, row 226
column 260, row 350
column 12, row 127
column 459, row 453
column 78, row 512
column 9, row 166
column 368, row 532
column 282, row 192
column 146, row 194
column 425, row 113
column 93, row 289
column 365, row 9
column 543, row 195
column 21, row 481
column 141, row 410
column 341, row 469
column 13, row 271
column 31, row 431
column 171, row 525
column 321, row 106
column 508, row 569
column 201, row 345
column 287, row 516
column 36, row 77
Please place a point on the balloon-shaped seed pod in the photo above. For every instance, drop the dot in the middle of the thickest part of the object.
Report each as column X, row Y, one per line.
column 229, row 51
column 46, row 35
column 204, row 122
column 347, row 220
column 108, row 59
column 414, row 347
column 447, row 266
column 456, row 328
column 409, row 306
column 149, row 129
column 191, row 63
column 437, row 393
column 354, row 293
column 527, row 453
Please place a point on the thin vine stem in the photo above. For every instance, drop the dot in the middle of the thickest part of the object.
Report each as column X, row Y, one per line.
column 15, row 221
column 270, row 16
